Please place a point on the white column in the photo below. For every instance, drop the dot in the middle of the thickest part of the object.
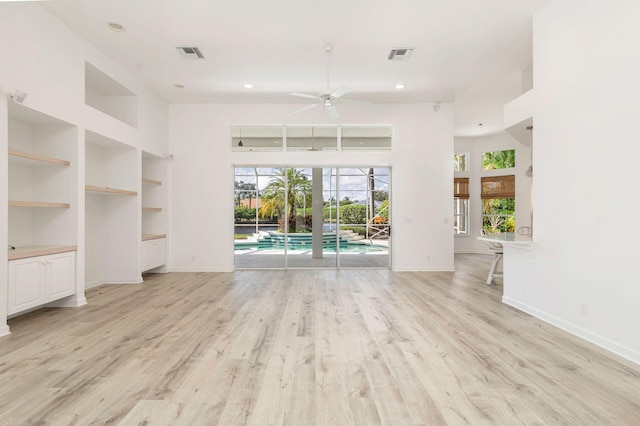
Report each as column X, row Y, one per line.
column 316, row 211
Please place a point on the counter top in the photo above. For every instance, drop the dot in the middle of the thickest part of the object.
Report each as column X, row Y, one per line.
column 32, row 251
column 509, row 239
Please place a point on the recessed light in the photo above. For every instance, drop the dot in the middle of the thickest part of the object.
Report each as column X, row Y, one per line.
column 400, row 86
column 248, row 86
column 178, row 86
column 116, row 27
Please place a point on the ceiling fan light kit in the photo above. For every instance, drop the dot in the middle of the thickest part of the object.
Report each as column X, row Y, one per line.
column 327, row 98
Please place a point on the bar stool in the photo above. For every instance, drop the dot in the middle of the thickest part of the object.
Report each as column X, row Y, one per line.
column 496, row 248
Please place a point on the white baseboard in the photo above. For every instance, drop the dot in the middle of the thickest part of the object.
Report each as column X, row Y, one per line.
column 136, row 280
column 68, row 302
column 413, row 269
column 94, row 283
column 201, row 269
column 4, row 330
column 596, row 339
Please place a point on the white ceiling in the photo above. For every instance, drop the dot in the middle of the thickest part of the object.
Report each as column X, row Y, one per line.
column 470, row 52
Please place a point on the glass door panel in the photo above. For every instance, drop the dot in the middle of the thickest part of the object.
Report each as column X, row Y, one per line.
column 363, row 217
column 310, row 246
column 259, row 241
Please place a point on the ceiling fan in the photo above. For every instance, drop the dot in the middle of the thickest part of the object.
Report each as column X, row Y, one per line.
column 327, row 98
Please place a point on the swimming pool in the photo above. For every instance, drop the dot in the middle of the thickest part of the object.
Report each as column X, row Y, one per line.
column 344, row 248
column 302, row 242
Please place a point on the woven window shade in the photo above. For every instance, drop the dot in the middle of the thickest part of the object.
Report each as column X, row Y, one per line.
column 498, row 187
column 461, row 188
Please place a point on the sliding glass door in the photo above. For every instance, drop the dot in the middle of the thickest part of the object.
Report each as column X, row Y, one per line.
column 297, row 217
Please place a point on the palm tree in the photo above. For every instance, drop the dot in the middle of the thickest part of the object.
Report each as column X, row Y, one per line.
column 289, row 184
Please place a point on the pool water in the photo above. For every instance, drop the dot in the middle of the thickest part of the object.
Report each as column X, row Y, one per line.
column 344, row 248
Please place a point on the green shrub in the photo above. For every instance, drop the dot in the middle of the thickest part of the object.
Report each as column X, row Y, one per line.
column 244, row 214
column 353, row 214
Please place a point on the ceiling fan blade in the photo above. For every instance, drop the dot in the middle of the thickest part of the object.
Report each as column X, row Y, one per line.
column 343, row 90
column 304, row 95
column 333, row 112
column 304, row 108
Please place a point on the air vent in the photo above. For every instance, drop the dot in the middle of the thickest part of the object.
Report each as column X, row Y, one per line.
column 190, row 52
column 400, row 54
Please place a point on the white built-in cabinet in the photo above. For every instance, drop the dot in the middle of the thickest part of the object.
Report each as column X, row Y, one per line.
column 35, row 281
column 153, row 252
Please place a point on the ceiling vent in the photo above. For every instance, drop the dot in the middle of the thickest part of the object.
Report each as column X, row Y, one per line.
column 400, row 54
column 190, row 52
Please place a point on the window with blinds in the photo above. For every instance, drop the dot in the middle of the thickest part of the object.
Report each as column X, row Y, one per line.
column 461, row 188
column 498, row 187
column 498, row 195
column 461, row 206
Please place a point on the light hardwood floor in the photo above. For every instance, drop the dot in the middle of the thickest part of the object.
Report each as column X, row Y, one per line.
column 307, row 347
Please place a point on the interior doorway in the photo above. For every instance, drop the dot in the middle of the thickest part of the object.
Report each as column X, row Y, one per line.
column 311, row 217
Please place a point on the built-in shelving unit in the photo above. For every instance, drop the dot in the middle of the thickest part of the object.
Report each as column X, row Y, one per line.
column 30, row 159
column 109, row 191
column 42, row 179
column 107, row 95
column 42, row 210
column 151, row 181
column 112, row 216
column 39, row 204
column 149, row 237
column 154, row 172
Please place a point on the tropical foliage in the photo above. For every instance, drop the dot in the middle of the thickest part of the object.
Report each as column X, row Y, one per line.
column 499, row 160
column 287, row 187
column 244, row 214
column 244, row 191
column 498, row 213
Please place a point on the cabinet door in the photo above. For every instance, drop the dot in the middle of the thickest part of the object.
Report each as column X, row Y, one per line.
column 147, row 255
column 158, row 252
column 61, row 275
column 153, row 254
column 26, row 284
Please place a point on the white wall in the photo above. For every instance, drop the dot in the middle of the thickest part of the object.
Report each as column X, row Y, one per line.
column 586, row 198
column 475, row 147
column 202, row 177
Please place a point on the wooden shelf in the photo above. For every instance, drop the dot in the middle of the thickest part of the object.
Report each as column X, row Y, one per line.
column 152, row 209
column 151, row 181
column 28, row 158
column 39, row 204
column 32, row 251
column 147, row 237
column 109, row 191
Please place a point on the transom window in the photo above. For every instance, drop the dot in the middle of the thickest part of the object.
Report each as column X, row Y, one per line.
column 311, row 138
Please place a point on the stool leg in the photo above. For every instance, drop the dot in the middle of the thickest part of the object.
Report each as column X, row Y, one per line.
column 494, row 266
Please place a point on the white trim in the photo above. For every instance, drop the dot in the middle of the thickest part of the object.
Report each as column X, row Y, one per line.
column 137, row 280
column 580, row 332
column 201, row 269
column 420, row 269
column 70, row 302
column 93, row 284
column 4, row 330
